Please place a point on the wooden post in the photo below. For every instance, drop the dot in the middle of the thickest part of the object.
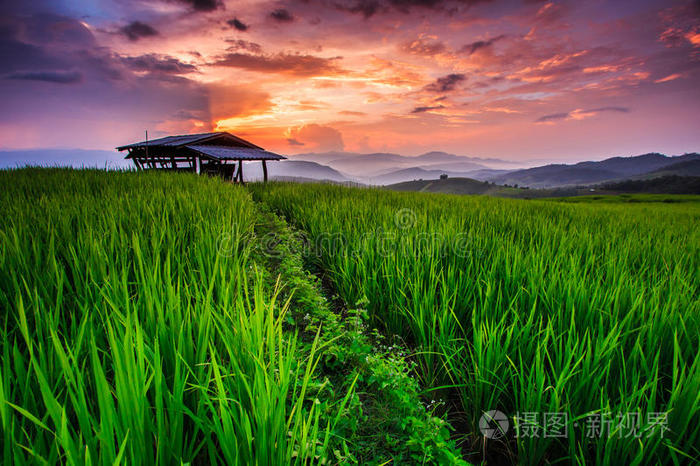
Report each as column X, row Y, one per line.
column 240, row 171
column 133, row 156
column 264, row 171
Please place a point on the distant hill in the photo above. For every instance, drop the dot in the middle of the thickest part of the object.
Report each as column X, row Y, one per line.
column 388, row 168
column 363, row 167
column 670, row 184
column 414, row 173
column 461, row 167
column 368, row 165
column 586, row 173
column 556, row 175
column 458, row 186
column 486, row 174
column 685, row 168
column 76, row 158
column 301, row 179
column 294, row 169
column 305, row 169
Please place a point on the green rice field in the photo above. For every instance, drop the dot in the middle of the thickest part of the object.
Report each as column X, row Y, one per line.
column 160, row 318
column 148, row 318
column 583, row 314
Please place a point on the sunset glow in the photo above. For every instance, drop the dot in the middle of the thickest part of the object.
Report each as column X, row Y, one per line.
column 515, row 79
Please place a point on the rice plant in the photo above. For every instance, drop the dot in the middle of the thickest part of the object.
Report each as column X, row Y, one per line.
column 160, row 318
column 584, row 314
column 127, row 337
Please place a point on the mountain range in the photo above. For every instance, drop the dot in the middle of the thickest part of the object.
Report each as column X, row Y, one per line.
column 589, row 173
column 382, row 167
column 389, row 168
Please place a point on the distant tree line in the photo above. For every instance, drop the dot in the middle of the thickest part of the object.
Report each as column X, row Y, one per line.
column 670, row 184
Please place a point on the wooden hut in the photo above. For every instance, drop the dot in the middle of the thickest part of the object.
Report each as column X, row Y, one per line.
column 220, row 154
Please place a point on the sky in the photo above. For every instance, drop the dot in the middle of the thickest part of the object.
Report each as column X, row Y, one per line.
column 513, row 79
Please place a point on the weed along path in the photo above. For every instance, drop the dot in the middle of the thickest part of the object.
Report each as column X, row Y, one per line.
column 167, row 318
column 563, row 332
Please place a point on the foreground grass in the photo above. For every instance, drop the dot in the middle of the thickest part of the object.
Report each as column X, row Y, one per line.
column 164, row 318
column 590, row 312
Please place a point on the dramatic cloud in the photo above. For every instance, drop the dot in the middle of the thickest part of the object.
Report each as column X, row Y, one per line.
column 580, row 114
column 282, row 15
column 202, row 5
column 227, row 101
column 490, row 78
column 155, row 63
column 480, row 44
column 369, row 8
column 426, row 109
column 317, row 138
column 670, row 77
column 424, row 46
column 365, row 7
column 240, row 44
column 137, row 30
column 60, row 77
column 65, row 87
column 609, row 109
column 281, row 63
column 446, row 83
column 552, row 117
column 238, row 24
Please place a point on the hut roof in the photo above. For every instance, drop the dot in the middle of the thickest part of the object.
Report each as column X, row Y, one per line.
column 216, row 146
column 235, row 153
column 186, row 139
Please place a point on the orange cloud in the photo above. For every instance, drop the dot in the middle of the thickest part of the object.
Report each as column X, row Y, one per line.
column 501, row 110
column 292, row 64
column 693, row 37
column 668, row 78
column 316, row 138
column 227, row 101
column 579, row 114
column 601, row 69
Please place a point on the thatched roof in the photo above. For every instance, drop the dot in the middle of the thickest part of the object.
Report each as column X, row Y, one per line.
column 237, row 153
column 215, row 146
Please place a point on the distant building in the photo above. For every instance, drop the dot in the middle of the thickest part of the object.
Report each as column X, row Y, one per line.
column 208, row 153
column 443, row 176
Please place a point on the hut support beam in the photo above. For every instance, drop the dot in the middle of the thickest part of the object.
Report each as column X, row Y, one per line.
column 264, row 171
